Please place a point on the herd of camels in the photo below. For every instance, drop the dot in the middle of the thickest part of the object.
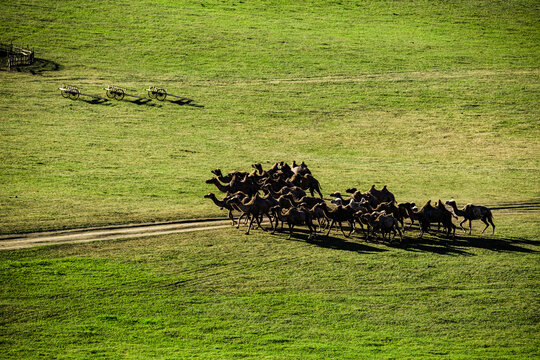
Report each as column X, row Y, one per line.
column 279, row 193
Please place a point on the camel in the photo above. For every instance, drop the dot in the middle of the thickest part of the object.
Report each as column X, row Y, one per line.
column 364, row 209
column 429, row 214
column 254, row 208
column 337, row 195
column 406, row 211
column 382, row 195
column 473, row 212
column 307, row 182
column 301, row 169
column 285, row 171
column 391, row 209
column 293, row 217
column 295, row 191
column 360, row 197
column 234, row 186
column 224, row 205
column 276, row 183
column 227, row 178
column 318, row 213
column 259, row 169
column 337, row 215
column 355, row 205
column 380, row 220
column 309, row 201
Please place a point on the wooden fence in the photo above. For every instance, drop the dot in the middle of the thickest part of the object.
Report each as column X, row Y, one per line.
column 11, row 56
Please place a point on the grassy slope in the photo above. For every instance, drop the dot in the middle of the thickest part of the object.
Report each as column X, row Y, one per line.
column 221, row 294
column 435, row 100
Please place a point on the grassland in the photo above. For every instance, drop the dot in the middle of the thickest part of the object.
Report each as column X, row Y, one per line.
column 223, row 295
column 434, row 99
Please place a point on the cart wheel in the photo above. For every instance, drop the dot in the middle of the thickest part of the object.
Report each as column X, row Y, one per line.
column 109, row 94
column 161, row 94
column 119, row 94
column 64, row 93
column 151, row 94
column 74, row 94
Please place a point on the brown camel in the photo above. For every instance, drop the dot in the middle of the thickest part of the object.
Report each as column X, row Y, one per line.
column 234, row 186
column 337, row 215
column 318, row 213
column 255, row 208
column 391, row 209
column 429, row 214
column 383, row 222
column 223, row 204
column 227, row 178
column 473, row 212
column 406, row 212
column 382, row 195
column 307, row 182
column 293, row 217
column 301, row 169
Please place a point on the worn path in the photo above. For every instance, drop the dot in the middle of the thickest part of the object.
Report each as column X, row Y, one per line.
column 22, row 241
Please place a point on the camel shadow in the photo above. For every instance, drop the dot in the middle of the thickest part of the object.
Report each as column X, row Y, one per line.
column 438, row 242
column 330, row 242
column 434, row 242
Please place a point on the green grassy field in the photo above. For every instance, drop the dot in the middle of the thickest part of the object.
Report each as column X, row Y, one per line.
column 434, row 99
column 223, row 295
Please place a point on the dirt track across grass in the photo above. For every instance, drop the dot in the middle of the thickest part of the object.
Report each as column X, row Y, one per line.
column 23, row 241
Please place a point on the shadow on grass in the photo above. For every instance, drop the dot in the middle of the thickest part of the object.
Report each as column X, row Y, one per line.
column 96, row 101
column 434, row 242
column 187, row 102
column 438, row 242
column 330, row 242
column 38, row 67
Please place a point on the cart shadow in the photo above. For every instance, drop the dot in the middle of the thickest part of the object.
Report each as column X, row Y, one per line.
column 97, row 101
column 147, row 102
column 188, row 102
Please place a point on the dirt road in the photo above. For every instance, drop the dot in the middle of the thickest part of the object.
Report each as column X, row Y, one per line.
column 23, row 241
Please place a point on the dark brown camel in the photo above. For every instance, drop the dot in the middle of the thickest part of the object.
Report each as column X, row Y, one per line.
column 391, row 209
column 255, row 208
column 293, row 217
column 382, row 195
column 222, row 204
column 473, row 212
column 307, row 182
column 383, row 222
column 337, row 215
column 429, row 214
column 234, row 186
column 227, row 178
